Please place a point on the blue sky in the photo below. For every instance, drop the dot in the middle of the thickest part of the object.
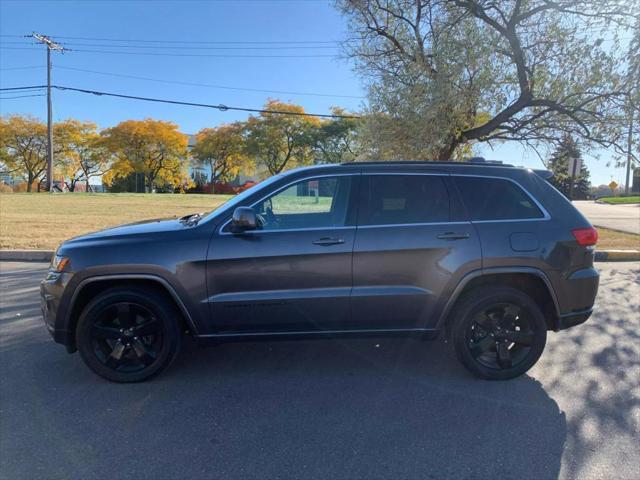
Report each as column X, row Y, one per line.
column 307, row 67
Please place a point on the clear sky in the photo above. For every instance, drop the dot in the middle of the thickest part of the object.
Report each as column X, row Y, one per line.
column 269, row 45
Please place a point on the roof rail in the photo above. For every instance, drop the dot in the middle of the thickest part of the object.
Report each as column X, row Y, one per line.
column 475, row 161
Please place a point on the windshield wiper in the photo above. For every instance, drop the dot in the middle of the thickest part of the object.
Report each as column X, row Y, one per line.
column 192, row 218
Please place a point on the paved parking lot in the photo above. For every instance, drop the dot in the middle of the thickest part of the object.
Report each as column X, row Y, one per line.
column 324, row 409
column 618, row 217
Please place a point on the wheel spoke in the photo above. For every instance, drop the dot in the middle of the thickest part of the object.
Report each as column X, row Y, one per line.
column 126, row 315
column 504, row 355
column 149, row 327
column 521, row 338
column 116, row 355
column 142, row 352
column 482, row 345
column 483, row 320
column 510, row 313
column 100, row 331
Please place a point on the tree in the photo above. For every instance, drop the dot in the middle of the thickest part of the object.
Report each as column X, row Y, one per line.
column 559, row 165
column 446, row 73
column 154, row 148
column 23, row 147
column 280, row 141
column 335, row 140
column 83, row 155
column 222, row 149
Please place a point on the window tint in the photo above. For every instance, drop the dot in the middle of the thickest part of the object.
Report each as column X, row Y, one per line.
column 496, row 199
column 312, row 203
column 398, row 199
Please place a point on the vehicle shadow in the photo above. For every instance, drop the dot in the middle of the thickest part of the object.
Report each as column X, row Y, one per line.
column 369, row 409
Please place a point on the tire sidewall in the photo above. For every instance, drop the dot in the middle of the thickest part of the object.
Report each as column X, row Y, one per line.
column 481, row 299
column 155, row 303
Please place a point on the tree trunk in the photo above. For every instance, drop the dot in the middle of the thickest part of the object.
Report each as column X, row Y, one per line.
column 30, row 182
column 445, row 153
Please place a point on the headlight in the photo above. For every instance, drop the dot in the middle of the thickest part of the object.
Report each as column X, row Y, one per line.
column 58, row 263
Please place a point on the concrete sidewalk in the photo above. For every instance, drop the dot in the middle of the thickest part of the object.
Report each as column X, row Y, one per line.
column 625, row 218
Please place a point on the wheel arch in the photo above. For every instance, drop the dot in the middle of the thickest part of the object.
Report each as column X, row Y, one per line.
column 529, row 280
column 92, row 286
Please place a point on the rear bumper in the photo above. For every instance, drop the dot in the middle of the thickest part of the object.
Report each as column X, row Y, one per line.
column 572, row 319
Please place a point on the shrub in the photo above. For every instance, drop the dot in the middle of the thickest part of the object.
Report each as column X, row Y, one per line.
column 21, row 187
column 4, row 188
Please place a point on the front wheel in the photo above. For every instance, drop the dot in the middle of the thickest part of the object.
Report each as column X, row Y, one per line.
column 128, row 334
column 498, row 332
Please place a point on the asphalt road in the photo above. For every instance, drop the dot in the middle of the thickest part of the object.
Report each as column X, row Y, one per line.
column 616, row 217
column 325, row 409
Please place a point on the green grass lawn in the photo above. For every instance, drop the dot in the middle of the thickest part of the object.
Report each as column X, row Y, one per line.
column 619, row 200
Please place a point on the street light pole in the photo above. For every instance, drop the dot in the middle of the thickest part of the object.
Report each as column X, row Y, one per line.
column 629, row 145
column 51, row 45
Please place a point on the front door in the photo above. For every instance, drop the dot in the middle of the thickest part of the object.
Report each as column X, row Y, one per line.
column 407, row 250
column 294, row 273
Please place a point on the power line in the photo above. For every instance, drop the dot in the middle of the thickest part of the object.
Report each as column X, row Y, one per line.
column 163, row 54
column 220, row 107
column 207, row 85
column 5, row 89
column 188, row 47
column 22, row 96
column 198, row 42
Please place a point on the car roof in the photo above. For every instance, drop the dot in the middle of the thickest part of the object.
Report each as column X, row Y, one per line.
column 463, row 168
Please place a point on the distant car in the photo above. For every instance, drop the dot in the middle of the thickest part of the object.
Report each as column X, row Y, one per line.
column 491, row 255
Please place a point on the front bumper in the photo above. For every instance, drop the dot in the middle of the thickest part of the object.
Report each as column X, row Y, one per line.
column 51, row 290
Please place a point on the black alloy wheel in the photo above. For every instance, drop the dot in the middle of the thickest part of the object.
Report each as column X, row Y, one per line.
column 500, row 336
column 498, row 332
column 129, row 334
column 127, row 337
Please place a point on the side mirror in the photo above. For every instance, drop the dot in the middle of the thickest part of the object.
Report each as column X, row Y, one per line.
column 244, row 219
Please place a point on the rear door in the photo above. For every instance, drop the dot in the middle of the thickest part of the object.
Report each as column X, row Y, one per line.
column 408, row 250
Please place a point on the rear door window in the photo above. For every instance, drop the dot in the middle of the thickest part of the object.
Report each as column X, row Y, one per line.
column 489, row 199
column 403, row 199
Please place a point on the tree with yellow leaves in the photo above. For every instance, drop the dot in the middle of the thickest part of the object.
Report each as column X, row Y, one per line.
column 222, row 150
column 153, row 147
column 82, row 154
column 23, row 148
column 278, row 141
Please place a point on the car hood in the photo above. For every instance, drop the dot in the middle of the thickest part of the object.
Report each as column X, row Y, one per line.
column 142, row 229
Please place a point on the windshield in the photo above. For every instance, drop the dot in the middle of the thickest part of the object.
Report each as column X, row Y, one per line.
column 233, row 201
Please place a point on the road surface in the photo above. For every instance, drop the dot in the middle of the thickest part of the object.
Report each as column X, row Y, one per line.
column 617, row 217
column 324, row 409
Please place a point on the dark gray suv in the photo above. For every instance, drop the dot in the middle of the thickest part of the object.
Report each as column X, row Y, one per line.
column 491, row 255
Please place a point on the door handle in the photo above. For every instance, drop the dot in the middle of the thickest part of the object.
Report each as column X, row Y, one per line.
column 453, row 236
column 328, row 241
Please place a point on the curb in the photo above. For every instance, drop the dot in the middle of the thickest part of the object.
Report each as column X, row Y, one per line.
column 26, row 255
column 617, row 256
column 45, row 255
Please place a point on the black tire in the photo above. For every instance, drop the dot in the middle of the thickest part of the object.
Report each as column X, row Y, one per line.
column 129, row 334
column 498, row 333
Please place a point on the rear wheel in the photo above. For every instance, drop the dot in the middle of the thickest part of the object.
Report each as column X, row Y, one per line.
column 498, row 332
column 128, row 334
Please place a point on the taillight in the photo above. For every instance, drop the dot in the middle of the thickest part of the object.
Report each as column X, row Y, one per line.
column 586, row 236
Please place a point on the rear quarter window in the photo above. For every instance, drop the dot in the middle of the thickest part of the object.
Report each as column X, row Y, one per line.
column 496, row 199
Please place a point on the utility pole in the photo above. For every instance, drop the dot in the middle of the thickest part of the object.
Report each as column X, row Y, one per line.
column 51, row 45
column 629, row 146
